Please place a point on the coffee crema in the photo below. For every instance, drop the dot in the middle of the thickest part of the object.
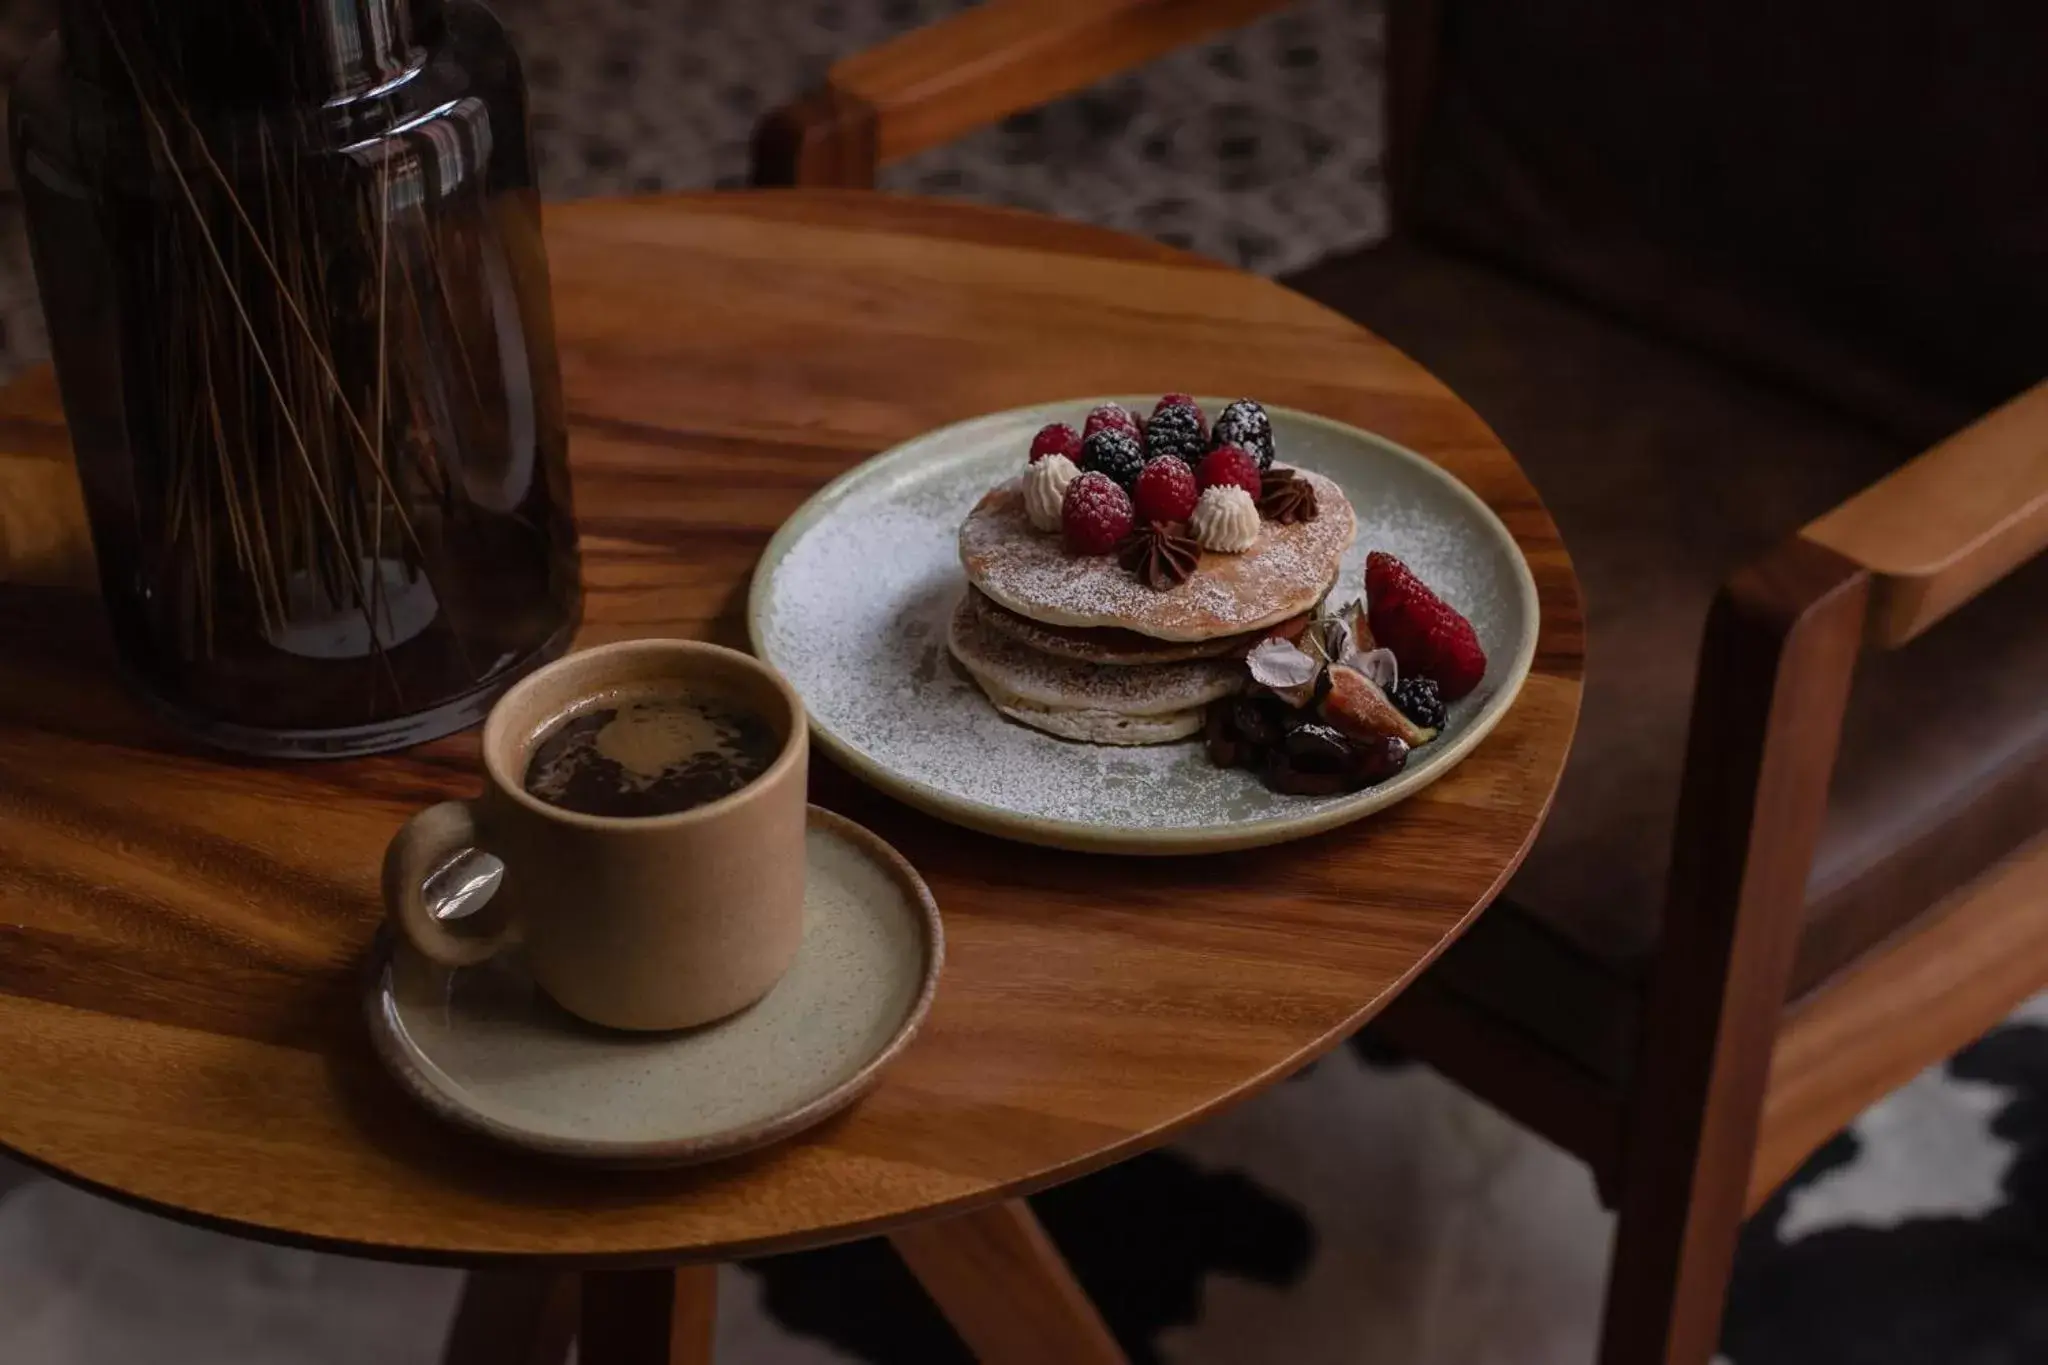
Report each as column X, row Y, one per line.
column 649, row 754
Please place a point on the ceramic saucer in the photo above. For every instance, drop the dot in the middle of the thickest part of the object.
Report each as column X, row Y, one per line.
column 484, row 1048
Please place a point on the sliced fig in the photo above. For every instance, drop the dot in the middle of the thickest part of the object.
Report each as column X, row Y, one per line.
column 1356, row 705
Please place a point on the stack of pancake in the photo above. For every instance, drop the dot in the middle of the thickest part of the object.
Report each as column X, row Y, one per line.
column 1079, row 647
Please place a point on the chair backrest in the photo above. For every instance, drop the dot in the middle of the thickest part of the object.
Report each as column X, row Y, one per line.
column 1852, row 195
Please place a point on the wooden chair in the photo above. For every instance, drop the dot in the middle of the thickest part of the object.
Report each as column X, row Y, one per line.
column 1692, row 1018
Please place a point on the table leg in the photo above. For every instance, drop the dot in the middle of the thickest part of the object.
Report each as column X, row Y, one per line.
column 648, row 1317
column 513, row 1317
column 1005, row 1288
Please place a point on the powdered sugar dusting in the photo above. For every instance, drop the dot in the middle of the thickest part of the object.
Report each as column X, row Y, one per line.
column 856, row 612
column 1049, row 680
column 1282, row 574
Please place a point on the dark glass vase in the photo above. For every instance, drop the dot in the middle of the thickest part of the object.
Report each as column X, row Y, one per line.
column 290, row 256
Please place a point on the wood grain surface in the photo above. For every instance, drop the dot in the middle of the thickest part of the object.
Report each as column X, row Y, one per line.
column 1779, row 651
column 944, row 79
column 656, row 1316
column 1939, row 530
column 182, row 936
column 1932, row 989
column 517, row 1316
column 1003, row 1285
column 959, row 73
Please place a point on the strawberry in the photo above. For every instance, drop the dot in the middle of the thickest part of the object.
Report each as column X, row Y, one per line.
column 1165, row 490
column 1428, row 636
column 1230, row 465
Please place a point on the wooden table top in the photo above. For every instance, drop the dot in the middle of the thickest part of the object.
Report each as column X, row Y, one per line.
column 182, row 936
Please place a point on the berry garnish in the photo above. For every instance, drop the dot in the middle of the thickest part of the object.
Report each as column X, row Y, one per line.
column 1182, row 400
column 1420, row 701
column 1109, row 415
column 1165, row 490
column 1230, row 465
column 1057, row 439
column 1176, row 431
column 1114, row 452
column 1244, row 423
column 1095, row 515
column 1257, row 720
column 1375, row 760
column 1283, row 775
column 1356, row 705
column 1428, row 636
column 1317, row 748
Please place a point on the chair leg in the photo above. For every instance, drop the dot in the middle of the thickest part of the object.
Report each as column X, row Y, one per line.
column 1005, row 1288
column 1780, row 648
column 513, row 1317
column 1672, row 1259
column 649, row 1317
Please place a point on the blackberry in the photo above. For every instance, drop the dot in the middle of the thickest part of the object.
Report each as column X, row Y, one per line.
column 1175, row 431
column 1418, row 699
column 1244, row 423
column 1115, row 453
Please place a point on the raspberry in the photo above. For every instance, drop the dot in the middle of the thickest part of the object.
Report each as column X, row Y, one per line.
column 1095, row 515
column 1057, row 439
column 1231, row 465
column 1182, row 400
column 1176, row 431
column 1245, row 423
column 1428, row 636
column 1165, row 490
column 1114, row 452
column 1110, row 415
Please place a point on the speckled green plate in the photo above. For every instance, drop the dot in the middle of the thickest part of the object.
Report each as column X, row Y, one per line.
column 851, row 598
column 484, row 1048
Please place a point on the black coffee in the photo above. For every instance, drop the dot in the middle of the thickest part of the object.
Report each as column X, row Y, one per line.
column 649, row 756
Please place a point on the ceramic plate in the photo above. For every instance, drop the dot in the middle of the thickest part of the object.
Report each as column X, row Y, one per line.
column 851, row 599
column 484, row 1048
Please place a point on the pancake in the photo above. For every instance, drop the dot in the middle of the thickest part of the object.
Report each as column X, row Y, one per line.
column 1284, row 574
column 1098, row 727
column 1117, row 648
column 1135, row 704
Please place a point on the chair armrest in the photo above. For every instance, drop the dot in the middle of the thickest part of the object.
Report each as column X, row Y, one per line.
column 1938, row 531
column 935, row 83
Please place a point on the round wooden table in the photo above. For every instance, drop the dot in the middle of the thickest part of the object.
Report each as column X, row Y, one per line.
column 182, row 935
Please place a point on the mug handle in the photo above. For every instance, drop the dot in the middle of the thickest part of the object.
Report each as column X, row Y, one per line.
column 423, row 846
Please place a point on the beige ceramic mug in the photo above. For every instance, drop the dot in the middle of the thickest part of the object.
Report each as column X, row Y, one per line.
column 656, row 922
